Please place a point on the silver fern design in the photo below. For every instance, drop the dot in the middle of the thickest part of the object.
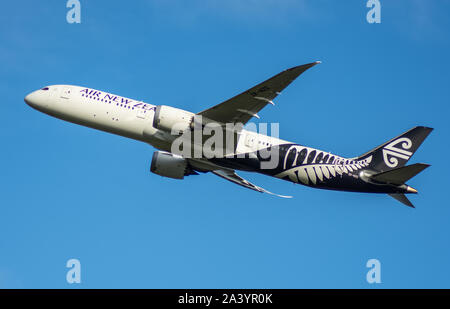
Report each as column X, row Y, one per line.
column 309, row 166
column 395, row 150
column 380, row 170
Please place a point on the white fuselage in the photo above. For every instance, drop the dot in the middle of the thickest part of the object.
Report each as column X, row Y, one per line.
column 119, row 115
column 175, row 132
column 134, row 119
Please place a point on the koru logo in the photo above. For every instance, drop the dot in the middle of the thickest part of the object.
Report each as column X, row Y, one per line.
column 397, row 149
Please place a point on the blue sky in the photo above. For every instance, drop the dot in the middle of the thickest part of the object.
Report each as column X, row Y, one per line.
column 73, row 192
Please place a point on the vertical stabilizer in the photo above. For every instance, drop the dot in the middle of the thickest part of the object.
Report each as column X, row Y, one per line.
column 396, row 152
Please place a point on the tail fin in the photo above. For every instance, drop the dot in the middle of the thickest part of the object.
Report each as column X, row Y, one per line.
column 400, row 175
column 396, row 152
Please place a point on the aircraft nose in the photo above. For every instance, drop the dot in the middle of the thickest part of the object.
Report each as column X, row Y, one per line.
column 30, row 99
column 38, row 99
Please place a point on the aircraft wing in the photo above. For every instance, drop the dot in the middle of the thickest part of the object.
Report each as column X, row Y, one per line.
column 231, row 175
column 244, row 106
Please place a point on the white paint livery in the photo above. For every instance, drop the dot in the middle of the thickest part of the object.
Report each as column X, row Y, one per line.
column 381, row 170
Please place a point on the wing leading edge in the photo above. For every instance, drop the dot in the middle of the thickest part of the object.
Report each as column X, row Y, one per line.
column 244, row 106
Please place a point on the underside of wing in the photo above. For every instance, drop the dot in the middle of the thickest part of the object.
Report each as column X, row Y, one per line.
column 241, row 108
column 231, row 175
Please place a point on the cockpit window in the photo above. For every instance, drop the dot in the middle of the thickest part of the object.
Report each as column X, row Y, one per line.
column 45, row 88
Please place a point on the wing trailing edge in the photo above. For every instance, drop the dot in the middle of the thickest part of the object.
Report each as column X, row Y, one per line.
column 242, row 107
column 231, row 175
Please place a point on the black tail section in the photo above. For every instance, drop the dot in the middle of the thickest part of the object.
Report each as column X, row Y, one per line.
column 396, row 152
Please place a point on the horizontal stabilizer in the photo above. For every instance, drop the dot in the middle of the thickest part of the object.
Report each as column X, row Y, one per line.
column 400, row 175
column 402, row 199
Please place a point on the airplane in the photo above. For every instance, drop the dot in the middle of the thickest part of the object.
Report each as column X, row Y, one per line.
column 380, row 170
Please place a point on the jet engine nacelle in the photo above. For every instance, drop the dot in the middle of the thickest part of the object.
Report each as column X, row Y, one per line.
column 169, row 165
column 171, row 119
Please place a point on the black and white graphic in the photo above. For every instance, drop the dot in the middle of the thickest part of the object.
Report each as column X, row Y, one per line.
column 397, row 149
column 180, row 153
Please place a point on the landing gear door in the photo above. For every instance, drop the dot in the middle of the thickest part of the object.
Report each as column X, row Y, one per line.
column 66, row 92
